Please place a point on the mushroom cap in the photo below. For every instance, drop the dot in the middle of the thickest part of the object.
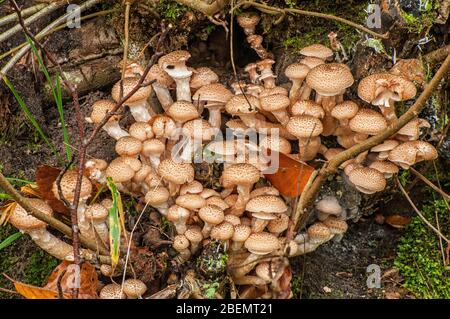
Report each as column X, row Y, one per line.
column 141, row 131
column 248, row 20
column 217, row 201
column 263, row 270
column 222, row 147
column 107, row 203
column 128, row 85
column 329, row 205
column 304, row 126
column 191, row 201
column 180, row 242
column 157, row 195
column 176, row 212
column 318, row 232
column 177, row 173
column 24, row 221
column 278, row 144
column 318, row 51
column 311, row 61
column 387, row 145
column 96, row 212
column 203, row 76
column 153, row 147
column 330, row 79
column 211, row 214
column 199, row 129
column 278, row 225
column 262, row 243
column 307, row 107
column 214, row 92
column 275, row 102
column 133, row 162
column 368, row 121
column 240, row 174
column 265, row 64
column 425, row 151
column 163, row 126
column 241, row 232
column 222, row 231
column 236, row 124
column 296, row 71
column 367, row 180
column 403, row 155
column 194, row 234
column 134, row 288
column 242, row 104
column 336, row 225
column 231, row 199
column 194, row 187
column 266, row 204
column 265, row 190
column 232, row 219
column 173, row 58
column 182, row 111
column 142, row 174
column 119, row 171
column 370, row 88
column 128, row 146
column 345, row 110
column 160, row 76
column 208, row 192
column 100, row 108
column 272, row 91
column 384, row 167
column 68, row 184
column 112, row 291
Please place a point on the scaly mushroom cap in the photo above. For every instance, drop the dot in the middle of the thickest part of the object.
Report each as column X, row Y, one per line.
column 296, row 71
column 368, row 121
column 134, row 288
column 330, row 79
column 163, row 126
column 24, row 221
column 160, row 76
column 372, row 87
column 318, row 51
column 173, row 58
column 231, row 199
column 215, row 92
column 96, row 212
column 194, row 187
column 203, row 76
column 191, row 201
column 129, row 84
column 208, row 192
column 304, row 126
column 266, row 204
column 425, row 151
column 157, row 195
column 119, row 171
column 217, row 201
column 276, row 102
column 404, row 155
column 177, row 173
column 311, row 62
column 141, row 131
column 248, row 20
column 112, row 291
column 232, row 219
column 318, row 233
column 262, row 243
column 336, row 225
column 367, row 180
column 211, row 214
column 263, row 270
column 236, row 125
column 278, row 225
column 199, row 129
column 68, row 184
column 265, row 190
column 224, row 148
column 272, row 91
column 128, row 146
column 153, row 147
column 142, row 174
column 182, row 111
column 386, row 146
column 265, row 64
column 99, row 110
column 175, row 212
column 345, row 110
column 278, row 144
column 412, row 129
column 329, row 205
column 384, row 167
column 222, row 231
column 240, row 104
column 241, row 232
column 194, row 234
column 309, row 108
column 180, row 242
column 240, row 174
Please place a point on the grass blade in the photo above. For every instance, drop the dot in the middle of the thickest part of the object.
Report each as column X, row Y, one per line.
column 114, row 223
column 8, row 241
column 31, row 117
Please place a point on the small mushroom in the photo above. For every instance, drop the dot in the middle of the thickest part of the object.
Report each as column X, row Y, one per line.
column 248, row 21
column 367, row 180
column 240, row 235
column 112, row 291
column 223, row 233
column 161, row 84
column 318, row 233
column 276, row 104
column 327, row 206
column 203, row 76
column 128, row 146
column 213, row 97
column 175, row 174
column 181, row 244
column 211, row 216
column 297, row 73
column 141, row 131
column 99, row 110
column 337, row 227
column 97, row 214
column 134, row 288
column 317, row 51
column 157, row 197
column 266, row 73
column 178, row 216
column 307, row 129
column 264, row 209
column 174, row 64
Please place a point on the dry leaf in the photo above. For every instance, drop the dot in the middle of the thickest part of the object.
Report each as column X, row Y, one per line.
column 398, row 221
column 285, row 283
column 33, row 292
column 45, row 177
column 392, row 295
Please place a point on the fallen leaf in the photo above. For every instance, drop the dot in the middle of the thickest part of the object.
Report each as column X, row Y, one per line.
column 285, row 283
column 291, row 177
column 33, row 292
column 392, row 295
column 45, row 177
column 398, row 221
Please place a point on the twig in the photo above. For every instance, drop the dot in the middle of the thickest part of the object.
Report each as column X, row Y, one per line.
column 284, row 11
column 25, row 13
column 126, row 44
column 58, row 284
column 301, row 214
column 48, row 9
column 429, row 183
column 437, row 55
column 58, row 183
column 419, row 213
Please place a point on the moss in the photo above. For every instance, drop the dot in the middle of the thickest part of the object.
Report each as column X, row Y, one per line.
column 296, row 286
column 171, row 10
column 419, row 258
column 424, row 20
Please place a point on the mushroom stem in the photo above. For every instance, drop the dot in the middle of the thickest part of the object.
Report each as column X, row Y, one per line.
column 206, row 230
column 259, row 224
column 154, row 161
column 246, row 266
column 114, row 130
column 162, row 208
column 305, row 92
column 163, row 95
column 294, row 92
column 188, row 150
column 140, row 111
column 243, row 198
column 236, row 245
column 388, row 111
column 282, row 116
column 183, row 88
column 215, row 118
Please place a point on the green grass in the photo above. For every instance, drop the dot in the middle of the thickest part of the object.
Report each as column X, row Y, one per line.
column 10, row 239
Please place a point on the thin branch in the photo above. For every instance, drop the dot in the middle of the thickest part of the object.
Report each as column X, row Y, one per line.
column 419, row 213
column 25, row 13
column 429, row 183
column 301, row 215
column 437, row 55
column 283, row 11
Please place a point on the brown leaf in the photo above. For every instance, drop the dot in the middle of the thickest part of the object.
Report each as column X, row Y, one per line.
column 398, row 221
column 45, row 177
column 33, row 292
column 291, row 177
column 392, row 295
column 285, row 283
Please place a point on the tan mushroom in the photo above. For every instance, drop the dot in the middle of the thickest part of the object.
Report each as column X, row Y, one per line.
column 134, row 288
column 175, row 174
column 112, row 291
column 161, row 84
column 327, row 206
column 264, row 209
column 367, row 180
column 307, row 129
column 99, row 110
column 174, row 63
column 211, row 216
column 213, row 97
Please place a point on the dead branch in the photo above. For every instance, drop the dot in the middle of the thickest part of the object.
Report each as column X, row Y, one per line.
column 429, row 183
column 301, row 214
column 25, row 13
column 437, row 55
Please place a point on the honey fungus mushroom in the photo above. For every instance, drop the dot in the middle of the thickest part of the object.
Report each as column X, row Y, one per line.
column 264, row 208
column 174, row 64
column 99, row 110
